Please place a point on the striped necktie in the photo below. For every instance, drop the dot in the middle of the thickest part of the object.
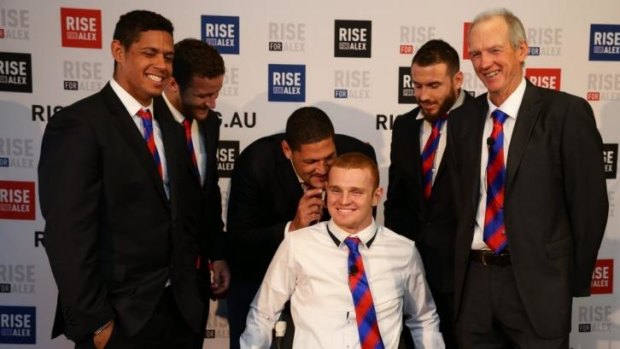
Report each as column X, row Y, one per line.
column 187, row 124
column 149, row 137
column 367, row 325
column 494, row 229
column 428, row 156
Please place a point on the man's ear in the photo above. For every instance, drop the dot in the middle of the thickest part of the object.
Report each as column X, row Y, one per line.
column 458, row 80
column 376, row 197
column 117, row 50
column 286, row 149
column 174, row 85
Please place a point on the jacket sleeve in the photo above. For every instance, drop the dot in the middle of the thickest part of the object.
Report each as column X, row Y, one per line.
column 585, row 188
column 70, row 188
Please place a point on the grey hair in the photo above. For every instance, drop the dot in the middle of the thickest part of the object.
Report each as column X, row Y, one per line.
column 516, row 31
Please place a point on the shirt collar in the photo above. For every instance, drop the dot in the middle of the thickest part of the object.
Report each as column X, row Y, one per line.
column 178, row 116
column 131, row 104
column 459, row 102
column 301, row 181
column 366, row 235
column 512, row 103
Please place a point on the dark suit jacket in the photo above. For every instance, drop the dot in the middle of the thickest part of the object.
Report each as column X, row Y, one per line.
column 205, row 200
column 555, row 207
column 430, row 223
column 264, row 196
column 205, row 203
column 213, row 241
column 112, row 236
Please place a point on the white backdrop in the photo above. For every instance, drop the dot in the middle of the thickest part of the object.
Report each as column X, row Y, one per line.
column 50, row 58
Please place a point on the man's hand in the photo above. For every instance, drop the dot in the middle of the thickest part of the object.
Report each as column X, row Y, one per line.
column 101, row 339
column 220, row 277
column 309, row 209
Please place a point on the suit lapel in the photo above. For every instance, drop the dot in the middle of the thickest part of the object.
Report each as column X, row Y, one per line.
column 416, row 150
column 442, row 164
column 168, row 127
column 527, row 117
column 208, row 130
column 481, row 108
column 134, row 138
column 205, row 137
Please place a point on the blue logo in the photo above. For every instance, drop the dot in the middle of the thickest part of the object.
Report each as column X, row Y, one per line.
column 605, row 42
column 287, row 83
column 18, row 325
column 221, row 32
column 534, row 51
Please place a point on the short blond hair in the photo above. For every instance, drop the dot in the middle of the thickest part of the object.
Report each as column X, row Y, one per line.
column 358, row 161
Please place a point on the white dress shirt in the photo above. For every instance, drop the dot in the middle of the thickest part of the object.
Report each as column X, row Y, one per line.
column 511, row 108
column 197, row 139
column 133, row 106
column 311, row 269
column 427, row 128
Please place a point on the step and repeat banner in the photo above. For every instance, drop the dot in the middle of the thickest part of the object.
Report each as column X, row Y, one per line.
column 350, row 58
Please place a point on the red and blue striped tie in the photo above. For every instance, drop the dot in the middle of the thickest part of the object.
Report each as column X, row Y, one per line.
column 149, row 138
column 367, row 325
column 187, row 123
column 428, row 156
column 494, row 229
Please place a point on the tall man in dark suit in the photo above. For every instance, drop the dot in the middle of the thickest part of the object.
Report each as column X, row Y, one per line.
column 197, row 78
column 532, row 200
column 277, row 187
column 112, row 191
column 420, row 202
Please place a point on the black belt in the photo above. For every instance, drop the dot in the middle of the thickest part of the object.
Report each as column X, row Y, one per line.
column 490, row 258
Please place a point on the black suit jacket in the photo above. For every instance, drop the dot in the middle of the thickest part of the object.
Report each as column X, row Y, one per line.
column 112, row 236
column 430, row 223
column 204, row 202
column 555, row 206
column 264, row 195
column 213, row 238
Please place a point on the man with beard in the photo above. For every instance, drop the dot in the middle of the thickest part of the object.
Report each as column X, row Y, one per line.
column 419, row 201
column 197, row 78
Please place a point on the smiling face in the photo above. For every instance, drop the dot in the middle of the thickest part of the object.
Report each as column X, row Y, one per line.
column 312, row 161
column 143, row 69
column 434, row 88
column 351, row 195
column 497, row 63
column 200, row 96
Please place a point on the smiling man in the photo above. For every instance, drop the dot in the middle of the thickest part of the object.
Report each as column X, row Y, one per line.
column 277, row 188
column 197, row 78
column 111, row 190
column 350, row 281
column 419, row 201
column 531, row 196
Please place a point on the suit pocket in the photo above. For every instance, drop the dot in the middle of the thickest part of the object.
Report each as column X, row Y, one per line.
column 559, row 248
